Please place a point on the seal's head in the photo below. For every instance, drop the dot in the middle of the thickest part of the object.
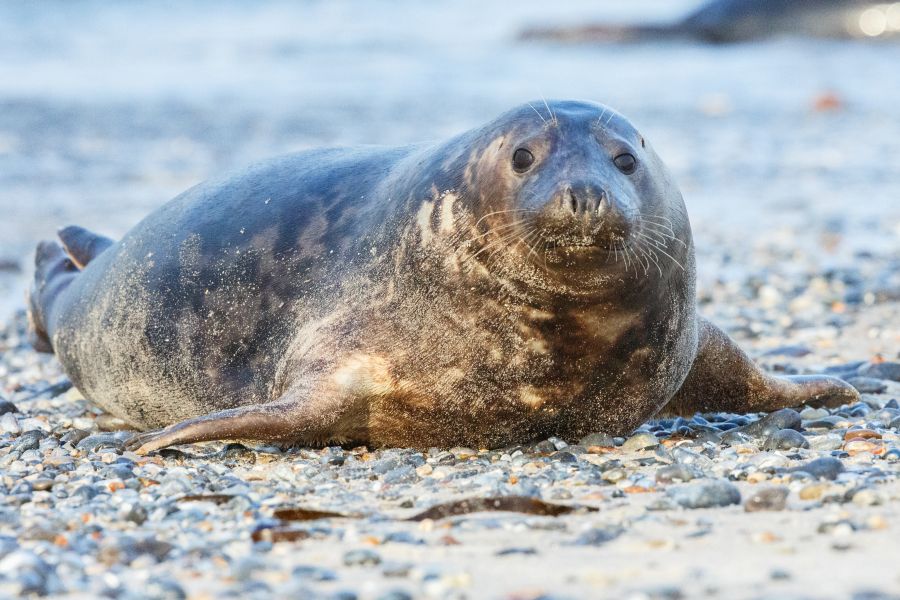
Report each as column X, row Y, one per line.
column 577, row 193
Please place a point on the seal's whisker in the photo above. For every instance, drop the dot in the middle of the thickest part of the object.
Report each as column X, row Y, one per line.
column 538, row 113
column 500, row 212
column 501, row 240
column 651, row 254
column 643, row 250
column 536, row 235
column 641, row 258
column 600, row 118
column 664, row 218
column 497, row 229
column 664, row 235
column 661, row 250
column 549, row 110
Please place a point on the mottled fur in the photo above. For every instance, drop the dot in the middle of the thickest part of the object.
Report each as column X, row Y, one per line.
column 419, row 296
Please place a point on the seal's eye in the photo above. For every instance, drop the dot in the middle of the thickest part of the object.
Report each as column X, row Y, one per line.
column 522, row 159
column 626, row 163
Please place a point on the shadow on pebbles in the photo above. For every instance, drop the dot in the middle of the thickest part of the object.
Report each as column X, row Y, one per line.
column 714, row 505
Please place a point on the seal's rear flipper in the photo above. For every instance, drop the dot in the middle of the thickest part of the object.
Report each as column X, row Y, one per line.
column 82, row 245
column 291, row 418
column 53, row 271
column 724, row 378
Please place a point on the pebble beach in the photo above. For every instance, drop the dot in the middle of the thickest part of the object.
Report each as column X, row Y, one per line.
column 788, row 164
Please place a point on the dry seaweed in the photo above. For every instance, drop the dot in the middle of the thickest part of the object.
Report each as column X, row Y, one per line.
column 519, row 504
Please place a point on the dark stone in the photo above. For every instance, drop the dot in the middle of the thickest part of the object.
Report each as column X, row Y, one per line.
column 362, row 558
column 867, row 385
column 705, row 494
column 770, row 498
column 673, row 473
column 528, row 550
column 821, row 468
column 597, row 536
column 101, row 441
column 544, row 447
column 786, row 418
column 29, row 440
column 314, row 573
column 7, row 407
column 74, row 436
column 786, row 439
column 884, row 370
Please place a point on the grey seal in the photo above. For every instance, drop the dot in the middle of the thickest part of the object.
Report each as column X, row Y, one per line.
column 730, row 21
column 531, row 277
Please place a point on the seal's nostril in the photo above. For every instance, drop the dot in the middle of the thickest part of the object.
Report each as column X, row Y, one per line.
column 573, row 203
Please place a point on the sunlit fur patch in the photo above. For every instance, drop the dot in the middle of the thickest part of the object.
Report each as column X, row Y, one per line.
column 530, row 397
column 423, row 220
column 447, row 220
column 364, row 375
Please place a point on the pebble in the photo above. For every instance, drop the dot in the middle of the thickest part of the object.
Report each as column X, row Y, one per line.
column 770, row 498
column 786, row 418
column 362, row 558
column 7, row 407
column 785, row 439
column 598, row 439
column 674, row 473
column 705, row 494
column 827, row 468
column 867, row 385
column 598, row 536
column 641, row 441
column 884, row 370
column 99, row 441
column 10, row 424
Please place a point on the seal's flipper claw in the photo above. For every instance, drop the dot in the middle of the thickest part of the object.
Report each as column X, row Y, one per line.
column 82, row 245
column 724, row 378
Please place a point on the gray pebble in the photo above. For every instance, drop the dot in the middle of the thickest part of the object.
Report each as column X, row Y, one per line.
column 7, row 407
column 785, row 439
column 100, row 441
column 362, row 558
column 885, row 370
column 826, row 467
column 597, row 439
column 314, row 573
column 403, row 474
column 867, row 385
column 30, row 440
column 597, row 536
column 641, row 441
column 770, row 498
column 786, row 418
column 705, row 494
column 673, row 473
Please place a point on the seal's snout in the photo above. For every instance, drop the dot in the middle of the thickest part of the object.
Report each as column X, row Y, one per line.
column 590, row 212
column 583, row 200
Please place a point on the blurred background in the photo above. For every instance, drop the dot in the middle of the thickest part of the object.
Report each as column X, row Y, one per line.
column 787, row 150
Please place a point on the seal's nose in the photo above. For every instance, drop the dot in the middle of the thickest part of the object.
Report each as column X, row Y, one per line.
column 584, row 199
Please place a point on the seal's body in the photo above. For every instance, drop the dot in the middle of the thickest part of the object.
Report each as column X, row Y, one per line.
column 728, row 21
column 532, row 277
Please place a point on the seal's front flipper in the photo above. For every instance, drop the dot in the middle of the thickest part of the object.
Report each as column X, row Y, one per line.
column 291, row 418
column 82, row 245
column 724, row 378
column 53, row 271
